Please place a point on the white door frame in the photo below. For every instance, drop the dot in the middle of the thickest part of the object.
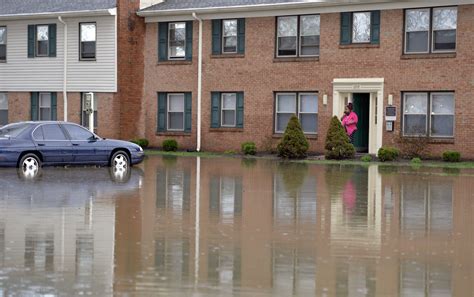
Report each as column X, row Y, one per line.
column 345, row 87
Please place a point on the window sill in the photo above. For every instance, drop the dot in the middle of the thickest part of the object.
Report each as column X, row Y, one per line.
column 308, row 136
column 179, row 62
column 173, row 134
column 88, row 60
column 3, row 61
column 228, row 56
column 359, row 45
column 225, row 129
column 428, row 56
column 295, row 59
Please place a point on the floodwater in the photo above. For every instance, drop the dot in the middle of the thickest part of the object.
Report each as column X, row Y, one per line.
column 231, row 227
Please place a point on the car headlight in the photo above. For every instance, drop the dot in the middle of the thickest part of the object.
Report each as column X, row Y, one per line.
column 140, row 149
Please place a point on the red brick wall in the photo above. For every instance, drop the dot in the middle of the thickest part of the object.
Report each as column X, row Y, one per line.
column 259, row 76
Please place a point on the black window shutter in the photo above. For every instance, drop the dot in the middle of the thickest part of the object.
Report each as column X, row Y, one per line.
column 188, row 106
column 240, row 110
column 375, row 27
column 162, row 108
column 189, row 40
column 162, row 41
column 31, row 40
column 54, row 106
column 216, row 37
column 346, row 27
column 241, row 36
column 52, row 40
column 34, row 106
column 215, row 110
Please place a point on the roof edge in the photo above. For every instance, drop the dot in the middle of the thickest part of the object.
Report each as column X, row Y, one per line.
column 43, row 15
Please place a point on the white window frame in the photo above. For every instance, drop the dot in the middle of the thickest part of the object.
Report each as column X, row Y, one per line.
column 370, row 27
column 169, row 41
column 6, row 97
column 425, row 114
column 42, row 107
column 300, row 33
column 278, row 37
column 5, row 43
column 236, row 36
column 406, row 31
column 277, row 112
column 168, row 111
column 37, row 41
column 301, row 112
column 80, row 41
column 431, row 114
column 227, row 109
column 432, row 33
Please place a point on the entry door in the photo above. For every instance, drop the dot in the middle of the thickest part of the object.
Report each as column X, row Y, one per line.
column 361, row 103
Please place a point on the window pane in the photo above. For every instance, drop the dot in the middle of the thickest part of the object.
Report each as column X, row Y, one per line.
column 177, row 38
column 445, row 40
column 88, row 49
column 287, row 26
column 415, row 125
column 42, row 33
column 3, row 52
column 38, row 134
column 176, row 121
column 45, row 100
column 282, row 121
column 445, row 18
column 176, row 103
column 42, row 48
column 88, row 32
column 177, row 51
column 417, row 20
column 309, row 122
column 45, row 114
column 442, row 125
column 287, row 103
column 417, row 42
column 361, row 27
column 78, row 133
column 230, row 44
column 230, row 27
column 442, row 103
column 228, row 118
column 53, row 132
column 309, row 103
column 310, row 25
column 3, row 35
column 416, row 103
column 3, row 101
column 287, row 46
column 229, row 101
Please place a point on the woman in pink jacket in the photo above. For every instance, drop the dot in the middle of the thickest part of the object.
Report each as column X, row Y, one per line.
column 349, row 121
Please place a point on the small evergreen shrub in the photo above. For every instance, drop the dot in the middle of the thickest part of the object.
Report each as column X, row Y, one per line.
column 338, row 145
column 366, row 158
column 143, row 142
column 294, row 144
column 170, row 145
column 249, row 148
column 451, row 156
column 416, row 161
column 388, row 154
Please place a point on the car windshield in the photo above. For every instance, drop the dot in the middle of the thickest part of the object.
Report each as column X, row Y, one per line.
column 13, row 130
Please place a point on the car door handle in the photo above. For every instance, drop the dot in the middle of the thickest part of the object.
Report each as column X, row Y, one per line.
column 75, row 144
column 40, row 144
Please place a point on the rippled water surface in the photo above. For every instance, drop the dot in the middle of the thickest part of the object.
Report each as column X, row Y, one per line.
column 231, row 227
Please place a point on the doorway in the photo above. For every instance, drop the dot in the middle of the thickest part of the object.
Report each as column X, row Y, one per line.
column 361, row 103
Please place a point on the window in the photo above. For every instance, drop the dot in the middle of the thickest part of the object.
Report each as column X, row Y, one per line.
column 304, row 105
column 177, row 41
column 227, row 110
column 53, row 132
column 433, row 110
column 229, row 107
column 78, row 133
column 3, row 109
column 298, row 36
column 229, row 36
column 439, row 24
column 174, row 112
column 42, row 41
column 3, row 44
column 45, row 106
column 360, row 27
column 85, row 115
column 88, row 36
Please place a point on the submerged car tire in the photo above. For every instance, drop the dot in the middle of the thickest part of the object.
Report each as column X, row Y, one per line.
column 30, row 165
column 120, row 159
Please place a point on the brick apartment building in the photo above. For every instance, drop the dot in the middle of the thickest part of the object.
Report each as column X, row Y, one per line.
column 265, row 60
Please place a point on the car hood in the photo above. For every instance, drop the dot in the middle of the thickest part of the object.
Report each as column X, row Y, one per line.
column 121, row 143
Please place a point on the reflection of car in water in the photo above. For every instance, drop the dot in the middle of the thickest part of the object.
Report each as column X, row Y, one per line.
column 67, row 186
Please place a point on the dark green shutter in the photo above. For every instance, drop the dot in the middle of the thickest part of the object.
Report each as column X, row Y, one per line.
column 161, row 188
column 346, row 27
column 375, row 27
column 162, row 41
column 238, row 195
column 214, row 200
column 52, row 40
column 31, row 41
column 34, row 106
column 216, row 37
column 215, row 110
column 241, row 36
column 186, row 190
column 54, row 106
column 240, row 110
column 162, row 112
column 189, row 40
column 188, row 107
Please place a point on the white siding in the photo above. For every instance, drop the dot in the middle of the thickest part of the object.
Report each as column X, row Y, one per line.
column 23, row 74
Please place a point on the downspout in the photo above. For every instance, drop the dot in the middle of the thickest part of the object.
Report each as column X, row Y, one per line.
column 199, row 95
column 65, row 68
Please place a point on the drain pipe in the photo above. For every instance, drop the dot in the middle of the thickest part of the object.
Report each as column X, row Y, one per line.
column 60, row 19
column 199, row 97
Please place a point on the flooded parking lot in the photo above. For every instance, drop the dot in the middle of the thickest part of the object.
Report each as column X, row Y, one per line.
column 231, row 227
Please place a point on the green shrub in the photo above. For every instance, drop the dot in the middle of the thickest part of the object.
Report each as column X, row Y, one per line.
column 416, row 161
column 366, row 158
column 249, row 148
column 143, row 142
column 338, row 145
column 294, row 144
column 230, row 152
column 170, row 145
column 388, row 154
column 451, row 156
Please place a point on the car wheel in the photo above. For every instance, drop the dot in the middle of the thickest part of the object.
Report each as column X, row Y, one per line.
column 120, row 160
column 30, row 165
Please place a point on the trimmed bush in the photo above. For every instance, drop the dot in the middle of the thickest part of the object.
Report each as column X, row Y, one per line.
column 294, row 144
column 143, row 142
column 249, row 148
column 338, row 145
column 366, row 158
column 388, row 154
column 170, row 145
column 415, row 161
column 451, row 156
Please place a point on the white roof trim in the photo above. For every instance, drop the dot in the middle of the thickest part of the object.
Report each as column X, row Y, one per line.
column 66, row 14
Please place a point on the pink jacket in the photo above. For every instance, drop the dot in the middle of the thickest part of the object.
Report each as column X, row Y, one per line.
column 350, row 123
